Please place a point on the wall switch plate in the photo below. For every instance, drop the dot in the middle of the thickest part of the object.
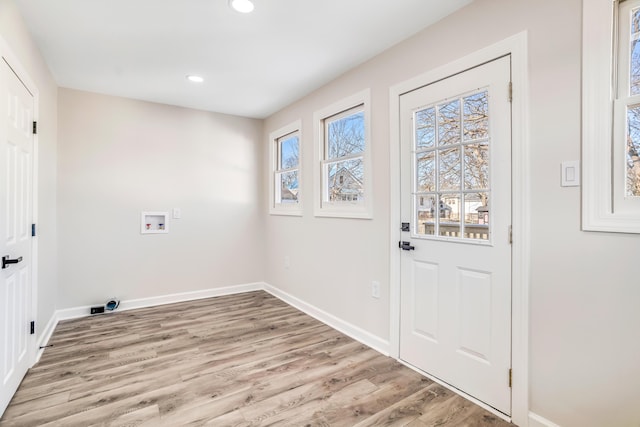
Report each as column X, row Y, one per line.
column 375, row 289
column 287, row 262
column 177, row 213
column 570, row 173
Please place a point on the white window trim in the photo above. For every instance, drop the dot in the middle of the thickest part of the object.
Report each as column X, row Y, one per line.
column 598, row 42
column 362, row 210
column 291, row 209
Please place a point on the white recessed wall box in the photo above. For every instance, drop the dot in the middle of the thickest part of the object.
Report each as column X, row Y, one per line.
column 154, row 222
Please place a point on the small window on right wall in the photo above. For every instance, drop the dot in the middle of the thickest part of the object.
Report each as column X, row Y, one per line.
column 627, row 104
column 611, row 116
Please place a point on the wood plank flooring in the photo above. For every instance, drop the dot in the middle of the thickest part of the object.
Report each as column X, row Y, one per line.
column 239, row 360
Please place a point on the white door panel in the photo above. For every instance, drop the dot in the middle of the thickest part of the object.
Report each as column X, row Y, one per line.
column 16, row 158
column 456, row 194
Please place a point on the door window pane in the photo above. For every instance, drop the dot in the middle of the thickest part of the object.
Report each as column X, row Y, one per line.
column 450, row 208
column 476, row 116
column 476, row 216
column 425, row 213
column 449, row 123
column 425, row 128
column 426, row 172
column 476, row 167
column 449, row 168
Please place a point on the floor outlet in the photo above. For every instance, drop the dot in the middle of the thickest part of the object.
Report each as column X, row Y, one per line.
column 97, row 309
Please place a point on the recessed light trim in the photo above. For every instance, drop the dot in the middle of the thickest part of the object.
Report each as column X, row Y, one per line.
column 195, row 79
column 242, row 6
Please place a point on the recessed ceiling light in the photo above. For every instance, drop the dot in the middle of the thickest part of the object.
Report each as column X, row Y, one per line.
column 195, row 79
column 242, row 6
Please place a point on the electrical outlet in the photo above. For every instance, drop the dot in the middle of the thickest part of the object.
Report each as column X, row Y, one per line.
column 375, row 289
column 97, row 309
column 287, row 262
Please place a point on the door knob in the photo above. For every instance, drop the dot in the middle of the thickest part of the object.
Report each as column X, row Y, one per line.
column 406, row 246
column 6, row 261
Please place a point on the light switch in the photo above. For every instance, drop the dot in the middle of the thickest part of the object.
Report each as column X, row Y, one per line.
column 177, row 213
column 570, row 173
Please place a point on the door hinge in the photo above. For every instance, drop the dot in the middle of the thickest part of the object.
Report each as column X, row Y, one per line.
column 35, row 128
column 33, row 327
column 510, row 234
column 510, row 91
column 33, row 230
column 510, row 378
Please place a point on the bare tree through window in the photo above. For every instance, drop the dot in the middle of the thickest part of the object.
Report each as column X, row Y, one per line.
column 345, row 146
column 452, row 187
column 287, row 169
column 633, row 112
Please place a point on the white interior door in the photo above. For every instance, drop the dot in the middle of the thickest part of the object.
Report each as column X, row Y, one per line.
column 455, row 319
column 16, row 160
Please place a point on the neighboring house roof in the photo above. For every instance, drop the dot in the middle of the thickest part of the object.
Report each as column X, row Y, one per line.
column 288, row 194
column 346, row 172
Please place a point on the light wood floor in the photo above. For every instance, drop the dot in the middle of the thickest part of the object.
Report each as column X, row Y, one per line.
column 239, row 360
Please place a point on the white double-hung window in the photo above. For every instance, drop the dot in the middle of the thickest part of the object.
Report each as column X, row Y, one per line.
column 611, row 115
column 284, row 189
column 343, row 159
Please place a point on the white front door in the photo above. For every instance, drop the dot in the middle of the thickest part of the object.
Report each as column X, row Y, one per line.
column 455, row 321
column 16, row 172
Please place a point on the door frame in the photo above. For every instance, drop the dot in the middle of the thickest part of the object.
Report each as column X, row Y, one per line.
column 516, row 47
column 7, row 54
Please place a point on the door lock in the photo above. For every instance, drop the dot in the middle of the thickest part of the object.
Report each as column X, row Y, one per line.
column 406, row 246
column 6, row 261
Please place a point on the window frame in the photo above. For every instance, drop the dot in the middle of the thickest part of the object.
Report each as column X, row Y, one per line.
column 275, row 208
column 602, row 136
column 363, row 209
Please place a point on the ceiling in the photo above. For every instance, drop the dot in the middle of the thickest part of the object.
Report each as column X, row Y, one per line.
column 253, row 64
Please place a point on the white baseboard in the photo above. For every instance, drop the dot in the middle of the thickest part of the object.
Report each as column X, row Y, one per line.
column 536, row 420
column 46, row 336
column 346, row 328
column 76, row 312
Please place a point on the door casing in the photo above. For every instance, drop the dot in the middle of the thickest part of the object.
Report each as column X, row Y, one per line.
column 516, row 46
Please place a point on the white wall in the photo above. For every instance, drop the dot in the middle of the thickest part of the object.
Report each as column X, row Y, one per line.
column 118, row 157
column 585, row 291
column 16, row 35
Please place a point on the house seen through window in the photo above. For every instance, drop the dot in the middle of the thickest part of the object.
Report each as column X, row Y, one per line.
column 287, row 170
column 344, row 156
